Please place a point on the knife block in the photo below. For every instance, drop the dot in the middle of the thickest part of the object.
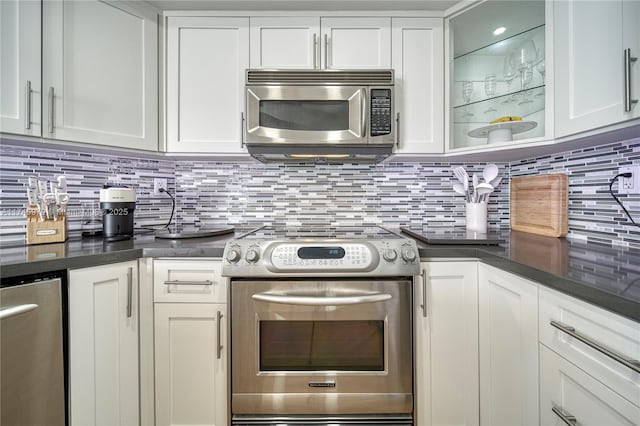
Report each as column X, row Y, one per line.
column 45, row 231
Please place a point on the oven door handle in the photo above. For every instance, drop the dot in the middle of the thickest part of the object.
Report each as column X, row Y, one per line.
column 320, row 300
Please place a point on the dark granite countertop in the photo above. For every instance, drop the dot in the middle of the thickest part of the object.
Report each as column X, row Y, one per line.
column 608, row 277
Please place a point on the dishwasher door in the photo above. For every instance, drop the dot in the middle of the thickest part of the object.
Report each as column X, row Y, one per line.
column 32, row 368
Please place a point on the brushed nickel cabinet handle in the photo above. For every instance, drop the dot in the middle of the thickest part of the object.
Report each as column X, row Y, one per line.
column 219, row 338
column 326, row 50
column 129, row 292
column 633, row 364
column 180, row 282
column 567, row 418
column 424, row 293
column 51, row 104
column 315, row 50
column 628, row 61
column 27, row 105
column 398, row 130
column 241, row 130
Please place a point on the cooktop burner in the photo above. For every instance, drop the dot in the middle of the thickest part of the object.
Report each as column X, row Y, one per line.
column 319, row 251
column 338, row 232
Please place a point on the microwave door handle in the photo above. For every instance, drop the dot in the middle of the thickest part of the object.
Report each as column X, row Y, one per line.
column 363, row 122
column 287, row 299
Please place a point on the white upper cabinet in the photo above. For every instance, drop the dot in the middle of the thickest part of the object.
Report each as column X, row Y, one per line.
column 20, row 67
column 495, row 74
column 418, row 60
column 100, row 73
column 285, row 42
column 590, row 39
column 356, row 43
column 206, row 62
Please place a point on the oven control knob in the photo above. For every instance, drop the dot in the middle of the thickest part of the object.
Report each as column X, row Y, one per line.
column 252, row 256
column 409, row 255
column 389, row 255
column 233, row 256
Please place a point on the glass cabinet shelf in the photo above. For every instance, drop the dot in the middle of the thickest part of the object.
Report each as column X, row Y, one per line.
column 522, row 103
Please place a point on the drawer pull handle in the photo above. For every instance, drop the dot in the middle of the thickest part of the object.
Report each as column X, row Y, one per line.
column 180, row 282
column 627, row 362
column 219, row 337
column 567, row 418
column 129, row 291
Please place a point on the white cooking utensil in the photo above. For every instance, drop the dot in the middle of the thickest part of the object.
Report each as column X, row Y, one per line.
column 495, row 182
column 462, row 176
column 459, row 189
column 490, row 172
column 476, row 180
column 62, row 184
column 482, row 191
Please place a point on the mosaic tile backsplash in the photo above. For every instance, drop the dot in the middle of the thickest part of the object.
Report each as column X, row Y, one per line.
column 250, row 193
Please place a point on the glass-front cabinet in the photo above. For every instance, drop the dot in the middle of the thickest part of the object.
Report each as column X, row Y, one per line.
column 497, row 74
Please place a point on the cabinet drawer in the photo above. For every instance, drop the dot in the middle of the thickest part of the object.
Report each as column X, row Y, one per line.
column 592, row 339
column 189, row 281
column 567, row 391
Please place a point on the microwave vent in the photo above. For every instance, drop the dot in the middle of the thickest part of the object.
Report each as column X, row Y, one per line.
column 321, row 77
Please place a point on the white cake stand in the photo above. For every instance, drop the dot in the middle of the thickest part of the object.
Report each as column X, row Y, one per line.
column 502, row 132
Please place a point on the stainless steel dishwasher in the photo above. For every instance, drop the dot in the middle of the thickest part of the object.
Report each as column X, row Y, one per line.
column 32, row 355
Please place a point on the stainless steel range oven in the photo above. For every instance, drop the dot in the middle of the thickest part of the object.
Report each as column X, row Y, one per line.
column 321, row 327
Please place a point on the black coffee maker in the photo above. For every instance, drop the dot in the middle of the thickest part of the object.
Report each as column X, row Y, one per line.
column 118, row 204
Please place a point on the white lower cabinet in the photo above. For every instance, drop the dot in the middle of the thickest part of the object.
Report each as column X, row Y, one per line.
column 103, row 345
column 446, row 336
column 190, row 342
column 190, row 363
column 508, row 327
column 568, row 395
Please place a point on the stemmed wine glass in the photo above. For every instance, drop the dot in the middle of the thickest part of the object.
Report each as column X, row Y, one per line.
column 527, row 76
column 467, row 91
column 490, row 90
column 526, row 57
column 508, row 73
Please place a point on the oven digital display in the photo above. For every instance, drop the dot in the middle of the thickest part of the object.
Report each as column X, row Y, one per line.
column 321, row 252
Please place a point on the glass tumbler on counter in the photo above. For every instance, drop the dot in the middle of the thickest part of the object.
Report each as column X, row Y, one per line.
column 91, row 218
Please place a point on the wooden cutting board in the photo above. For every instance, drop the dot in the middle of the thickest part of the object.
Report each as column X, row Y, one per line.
column 539, row 204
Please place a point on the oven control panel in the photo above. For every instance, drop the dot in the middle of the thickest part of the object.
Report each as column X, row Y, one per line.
column 347, row 256
column 398, row 257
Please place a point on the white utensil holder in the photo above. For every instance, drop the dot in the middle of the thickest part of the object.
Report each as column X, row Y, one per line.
column 477, row 217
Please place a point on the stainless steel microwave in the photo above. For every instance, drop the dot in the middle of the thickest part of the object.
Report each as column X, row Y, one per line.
column 293, row 115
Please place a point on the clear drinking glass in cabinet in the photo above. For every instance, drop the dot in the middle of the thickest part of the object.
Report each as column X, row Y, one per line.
column 498, row 79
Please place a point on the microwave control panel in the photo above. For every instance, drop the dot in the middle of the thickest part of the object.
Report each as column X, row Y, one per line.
column 380, row 112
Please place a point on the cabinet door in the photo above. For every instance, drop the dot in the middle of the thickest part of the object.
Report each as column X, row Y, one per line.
column 285, row 42
column 566, row 390
column 190, row 352
column 589, row 66
column 508, row 312
column 447, row 344
column 206, row 62
column 100, row 73
column 103, row 345
column 418, row 64
column 356, row 43
column 20, row 67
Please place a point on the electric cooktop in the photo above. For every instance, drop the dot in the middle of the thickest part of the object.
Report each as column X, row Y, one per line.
column 454, row 236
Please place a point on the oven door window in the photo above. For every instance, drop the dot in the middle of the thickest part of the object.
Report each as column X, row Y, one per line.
column 305, row 115
column 322, row 345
